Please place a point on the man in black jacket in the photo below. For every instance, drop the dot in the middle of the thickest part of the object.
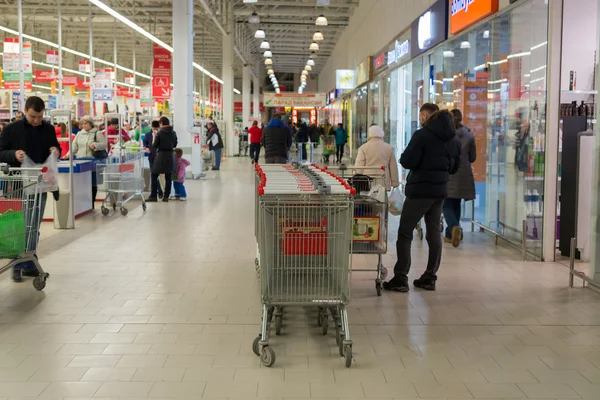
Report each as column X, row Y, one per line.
column 36, row 139
column 277, row 140
column 164, row 142
column 432, row 155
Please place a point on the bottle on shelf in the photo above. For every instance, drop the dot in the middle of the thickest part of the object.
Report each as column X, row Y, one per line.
column 574, row 108
column 583, row 109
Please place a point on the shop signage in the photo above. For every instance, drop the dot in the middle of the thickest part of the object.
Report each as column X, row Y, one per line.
column 82, row 84
column 430, row 29
column 103, row 85
column 238, row 107
column 363, row 73
column 345, row 79
column 464, row 13
column 11, row 65
column 379, row 61
column 45, row 76
column 69, row 80
column 52, row 102
column 161, row 74
column 146, row 95
column 215, row 94
column 130, row 79
column 294, row 100
column 52, row 57
column 84, row 66
column 400, row 50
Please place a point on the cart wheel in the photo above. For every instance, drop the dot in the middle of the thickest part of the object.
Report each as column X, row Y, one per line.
column 341, row 346
column 324, row 324
column 105, row 211
column 420, row 233
column 39, row 282
column 256, row 346
column 378, row 288
column 348, row 355
column 144, row 206
column 267, row 356
column 278, row 324
column 123, row 211
column 384, row 272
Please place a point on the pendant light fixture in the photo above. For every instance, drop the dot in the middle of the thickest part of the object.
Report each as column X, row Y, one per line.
column 259, row 34
column 254, row 18
column 318, row 36
column 310, row 62
column 270, row 72
column 304, row 73
column 268, row 54
column 268, row 61
column 321, row 20
column 308, row 68
column 314, row 46
column 265, row 45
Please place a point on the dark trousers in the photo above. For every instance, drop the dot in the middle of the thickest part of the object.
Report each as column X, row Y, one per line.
column 412, row 212
column 160, row 191
column 154, row 186
column 339, row 151
column 302, row 150
column 255, row 151
column 276, row 160
column 451, row 215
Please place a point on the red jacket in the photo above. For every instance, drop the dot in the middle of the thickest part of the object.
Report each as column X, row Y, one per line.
column 255, row 134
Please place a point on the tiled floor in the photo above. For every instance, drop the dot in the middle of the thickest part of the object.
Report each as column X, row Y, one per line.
column 165, row 305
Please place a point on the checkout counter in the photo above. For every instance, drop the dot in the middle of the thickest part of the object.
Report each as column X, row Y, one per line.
column 82, row 185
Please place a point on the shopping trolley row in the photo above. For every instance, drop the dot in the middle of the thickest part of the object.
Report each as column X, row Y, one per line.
column 304, row 226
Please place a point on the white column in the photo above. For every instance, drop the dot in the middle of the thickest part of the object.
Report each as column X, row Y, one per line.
column 245, row 95
column 256, row 97
column 183, row 70
column 228, row 92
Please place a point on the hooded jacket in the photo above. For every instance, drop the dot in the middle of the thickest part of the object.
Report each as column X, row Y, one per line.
column 432, row 155
column 276, row 139
column 462, row 184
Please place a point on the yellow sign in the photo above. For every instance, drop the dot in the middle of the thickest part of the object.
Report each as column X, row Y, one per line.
column 72, row 91
column 53, row 87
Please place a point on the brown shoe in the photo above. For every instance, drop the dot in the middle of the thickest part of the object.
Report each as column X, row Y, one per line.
column 456, row 236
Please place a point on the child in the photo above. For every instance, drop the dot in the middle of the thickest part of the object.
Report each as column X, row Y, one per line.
column 180, row 165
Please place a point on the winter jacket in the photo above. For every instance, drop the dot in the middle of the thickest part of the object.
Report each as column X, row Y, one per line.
column 35, row 141
column 112, row 137
column 255, row 134
column 180, row 165
column 148, row 139
column 432, row 155
column 64, row 146
column 219, row 145
column 341, row 137
column 83, row 140
column 315, row 133
column 462, row 184
column 302, row 135
column 375, row 154
column 276, row 139
column 164, row 143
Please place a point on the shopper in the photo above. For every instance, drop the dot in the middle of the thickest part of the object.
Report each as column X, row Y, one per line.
column 328, row 138
column 88, row 143
column 432, row 155
column 112, row 133
column 36, row 139
column 255, row 133
column 461, row 186
column 151, row 151
column 164, row 163
column 341, row 138
column 75, row 127
column 19, row 116
column 277, row 140
column 215, row 143
column 61, row 133
column 315, row 134
column 302, row 139
column 377, row 153
column 179, row 178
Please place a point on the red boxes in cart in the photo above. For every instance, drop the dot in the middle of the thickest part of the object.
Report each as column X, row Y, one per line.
column 304, row 238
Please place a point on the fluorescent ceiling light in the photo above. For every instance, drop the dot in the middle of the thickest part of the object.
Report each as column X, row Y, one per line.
column 265, row 45
column 271, row 76
column 254, row 18
column 259, row 34
column 270, row 72
column 486, row 34
column 310, row 62
column 321, row 20
column 448, row 54
column 268, row 54
column 236, row 91
column 250, row 1
column 318, row 36
column 313, row 46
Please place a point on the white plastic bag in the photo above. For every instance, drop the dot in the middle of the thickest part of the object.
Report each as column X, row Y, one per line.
column 50, row 177
column 396, row 201
column 377, row 192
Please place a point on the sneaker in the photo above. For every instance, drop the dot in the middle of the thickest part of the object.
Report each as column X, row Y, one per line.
column 165, row 200
column 17, row 276
column 151, row 200
column 456, row 236
column 425, row 284
column 396, row 285
column 446, row 240
column 182, row 199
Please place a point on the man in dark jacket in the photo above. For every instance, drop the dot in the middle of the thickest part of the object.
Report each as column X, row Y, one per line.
column 432, row 155
column 302, row 139
column 277, row 140
column 36, row 139
column 150, row 150
column 164, row 142
column 215, row 143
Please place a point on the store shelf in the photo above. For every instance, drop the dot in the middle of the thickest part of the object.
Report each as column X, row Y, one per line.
column 587, row 92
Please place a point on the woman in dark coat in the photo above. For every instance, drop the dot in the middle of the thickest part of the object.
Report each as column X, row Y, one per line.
column 164, row 163
column 461, row 186
column 215, row 143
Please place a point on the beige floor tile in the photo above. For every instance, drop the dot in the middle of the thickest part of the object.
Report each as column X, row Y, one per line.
column 114, row 338
column 389, row 390
column 145, row 360
column 177, row 389
column 346, row 390
column 548, row 391
column 240, row 390
column 208, row 374
column 108, row 374
column 124, row 389
column 130, row 349
column 495, row 390
column 51, row 374
column 158, row 375
column 71, row 389
column 94, row 361
column 265, row 375
column 558, row 376
column 78, row 349
column 15, row 374
column 451, row 390
column 309, row 375
column 508, row 376
column 458, row 375
column 19, row 390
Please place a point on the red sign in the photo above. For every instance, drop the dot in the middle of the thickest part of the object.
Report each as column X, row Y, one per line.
column 82, row 84
column 69, row 80
column 52, row 57
column 161, row 74
column 238, row 107
column 379, row 61
column 45, row 76
column 215, row 94
column 124, row 92
column 464, row 13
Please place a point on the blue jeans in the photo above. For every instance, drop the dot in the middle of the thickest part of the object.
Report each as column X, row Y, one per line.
column 33, row 220
column 179, row 188
column 451, row 215
column 217, row 158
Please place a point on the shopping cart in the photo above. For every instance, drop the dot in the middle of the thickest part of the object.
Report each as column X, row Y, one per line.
column 20, row 218
column 370, row 227
column 328, row 147
column 121, row 175
column 304, row 224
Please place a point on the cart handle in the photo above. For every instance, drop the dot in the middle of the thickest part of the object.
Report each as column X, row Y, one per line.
column 5, row 168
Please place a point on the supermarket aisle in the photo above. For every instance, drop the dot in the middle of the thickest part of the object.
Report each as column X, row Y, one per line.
column 166, row 305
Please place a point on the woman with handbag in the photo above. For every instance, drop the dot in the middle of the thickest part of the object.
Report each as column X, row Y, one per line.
column 89, row 143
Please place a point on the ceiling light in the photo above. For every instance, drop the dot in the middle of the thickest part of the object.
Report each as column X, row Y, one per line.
column 271, row 75
column 254, row 18
column 314, row 46
column 310, row 62
column 305, row 72
column 318, row 36
column 465, row 45
column 268, row 54
column 268, row 61
column 308, row 68
column 276, row 85
column 259, row 34
column 265, row 45
column 486, row 34
column 303, row 78
column 321, row 20
column 270, row 72
column 250, row 1
column 448, row 54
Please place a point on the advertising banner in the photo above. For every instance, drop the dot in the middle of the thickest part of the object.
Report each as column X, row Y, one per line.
column 345, row 79
column 146, row 95
column 464, row 13
column 45, row 76
column 215, row 94
column 430, row 29
column 51, row 104
column 161, row 74
column 475, row 117
column 102, row 82
column 52, row 57
column 294, row 100
column 82, row 84
column 124, row 92
column 11, row 64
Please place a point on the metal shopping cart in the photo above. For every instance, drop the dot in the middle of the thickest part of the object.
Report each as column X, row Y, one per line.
column 21, row 202
column 328, row 147
column 304, row 233
column 121, row 175
column 370, row 226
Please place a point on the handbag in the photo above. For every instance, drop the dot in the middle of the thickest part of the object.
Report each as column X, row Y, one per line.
column 101, row 154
